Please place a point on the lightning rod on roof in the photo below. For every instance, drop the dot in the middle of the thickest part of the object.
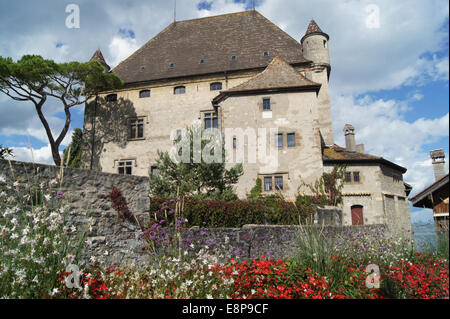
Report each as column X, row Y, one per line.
column 174, row 11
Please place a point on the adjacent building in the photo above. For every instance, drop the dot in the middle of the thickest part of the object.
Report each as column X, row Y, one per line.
column 436, row 195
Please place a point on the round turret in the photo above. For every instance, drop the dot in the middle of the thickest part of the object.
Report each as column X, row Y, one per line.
column 315, row 45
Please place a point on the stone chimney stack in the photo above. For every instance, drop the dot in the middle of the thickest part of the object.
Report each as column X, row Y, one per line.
column 350, row 143
column 438, row 158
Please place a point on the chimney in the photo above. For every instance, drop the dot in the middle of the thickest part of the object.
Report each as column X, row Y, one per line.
column 349, row 132
column 438, row 158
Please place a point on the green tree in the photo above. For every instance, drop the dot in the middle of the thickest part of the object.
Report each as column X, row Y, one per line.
column 193, row 177
column 35, row 79
column 74, row 161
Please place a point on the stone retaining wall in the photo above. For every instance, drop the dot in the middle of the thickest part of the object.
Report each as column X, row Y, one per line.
column 86, row 194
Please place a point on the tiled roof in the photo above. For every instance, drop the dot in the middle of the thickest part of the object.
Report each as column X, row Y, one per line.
column 279, row 75
column 98, row 56
column 179, row 48
column 313, row 28
column 419, row 197
column 338, row 154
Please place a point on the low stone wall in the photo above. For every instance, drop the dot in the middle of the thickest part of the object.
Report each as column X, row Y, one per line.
column 86, row 194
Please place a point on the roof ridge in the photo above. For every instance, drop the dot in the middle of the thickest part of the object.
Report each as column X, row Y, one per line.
column 221, row 15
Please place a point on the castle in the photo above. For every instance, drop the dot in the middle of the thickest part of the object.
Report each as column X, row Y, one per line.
column 240, row 71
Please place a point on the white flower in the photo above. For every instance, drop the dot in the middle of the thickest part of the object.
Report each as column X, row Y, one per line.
column 209, row 297
column 54, row 291
column 48, row 197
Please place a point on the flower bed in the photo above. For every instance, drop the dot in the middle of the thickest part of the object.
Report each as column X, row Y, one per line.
column 267, row 279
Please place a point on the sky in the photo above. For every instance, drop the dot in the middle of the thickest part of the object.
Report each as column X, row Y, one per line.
column 389, row 59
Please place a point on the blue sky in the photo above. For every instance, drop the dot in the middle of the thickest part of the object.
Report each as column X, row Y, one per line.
column 389, row 81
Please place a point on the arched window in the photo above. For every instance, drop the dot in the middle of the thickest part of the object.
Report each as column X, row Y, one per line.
column 216, row 86
column 111, row 98
column 179, row 90
column 144, row 94
column 357, row 215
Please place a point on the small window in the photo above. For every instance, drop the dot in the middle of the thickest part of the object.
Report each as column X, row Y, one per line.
column 291, row 139
column 356, row 177
column 234, row 142
column 179, row 90
column 154, row 170
column 144, row 94
column 279, row 183
column 111, row 98
column 136, row 128
column 125, row 168
column 266, row 53
column 348, row 177
column 216, row 86
column 266, row 104
column 267, row 184
column 233, row 58
column 202, row 61
column 142, row 68
column 172, row 65
column 279, row 140
column 324, row 43
column 211, row 120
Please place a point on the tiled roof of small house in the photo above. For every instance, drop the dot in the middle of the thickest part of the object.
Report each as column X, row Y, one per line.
column 421, row 198
column 338, row 154
column 207, row 45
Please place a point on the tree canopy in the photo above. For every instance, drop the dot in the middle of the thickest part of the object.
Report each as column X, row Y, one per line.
column 195, row 178
column 35, row 79
column 72, row 154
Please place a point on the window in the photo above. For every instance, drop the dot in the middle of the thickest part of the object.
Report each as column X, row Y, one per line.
column 324, row 43
column 234, row 142
column 266, row 53
column 111, row 98
column 211, row 120
column 179, row 90
column 136, row 128
column 266, row 104
column 202, row 61
column 267, row 184
column 172, row 65
column 144, row 94
column 233, row 58
column 154, row 170
column 279, row 183
column 348, row 177
column 352, row 177
column 216, row 86
column 291, row 139
column 142, row 68
column 125, row 167
column 279, row 140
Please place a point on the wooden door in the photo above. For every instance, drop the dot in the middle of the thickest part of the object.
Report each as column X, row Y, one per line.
column 357, row 215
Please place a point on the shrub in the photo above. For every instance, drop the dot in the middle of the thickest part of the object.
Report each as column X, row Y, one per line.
column 236, row 213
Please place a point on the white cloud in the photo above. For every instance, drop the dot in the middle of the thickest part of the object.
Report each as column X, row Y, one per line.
column 121, row 48
column 382, row 127
column 42, row 155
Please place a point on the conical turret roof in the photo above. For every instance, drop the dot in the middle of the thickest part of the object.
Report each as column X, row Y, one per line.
column 98, row 56
column 313, row 28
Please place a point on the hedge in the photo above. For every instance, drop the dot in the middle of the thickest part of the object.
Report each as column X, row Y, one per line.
column 233, row 214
